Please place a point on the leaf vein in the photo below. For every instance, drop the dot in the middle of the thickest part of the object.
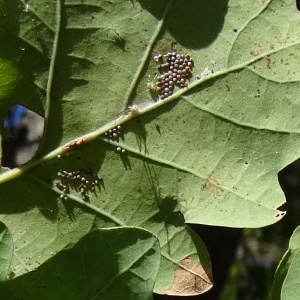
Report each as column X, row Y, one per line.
column 235, row 121
column 127, row 268
column 269, row 78
column 145, row 57
column 51, row 70
column 178, row 167
column 254, row 16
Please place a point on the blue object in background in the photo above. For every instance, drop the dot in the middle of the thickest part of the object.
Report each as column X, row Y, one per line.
column 24, row 131
column 14, row 116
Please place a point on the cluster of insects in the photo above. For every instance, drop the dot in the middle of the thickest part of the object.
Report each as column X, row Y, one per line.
column 175, row 70
column 82, row 181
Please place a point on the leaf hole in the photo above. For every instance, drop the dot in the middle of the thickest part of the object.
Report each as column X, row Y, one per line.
column 23, row 131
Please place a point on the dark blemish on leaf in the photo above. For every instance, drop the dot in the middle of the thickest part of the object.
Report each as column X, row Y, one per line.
column 157, row 127
column 174, row 46
column 118, row 35
column 119, row 40
column 298, row 4
column 227, row 87
column 235, row 30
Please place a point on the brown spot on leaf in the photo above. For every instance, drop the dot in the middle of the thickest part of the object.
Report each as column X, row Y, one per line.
column 190, row 278
column 256, row 52
column 270, row 61
column 213, row 184
column 75, row 143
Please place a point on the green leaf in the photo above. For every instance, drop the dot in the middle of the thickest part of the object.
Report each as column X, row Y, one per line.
column 286, row 281
column 100, row 265
column 9, row 79
column 6, row 251
column 208, row 154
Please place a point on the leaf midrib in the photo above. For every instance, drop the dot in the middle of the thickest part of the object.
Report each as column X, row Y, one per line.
column 143, row 109
column 128, row 115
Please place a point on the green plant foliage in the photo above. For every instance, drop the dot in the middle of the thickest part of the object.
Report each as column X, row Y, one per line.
column 102, row 265
column 286, row 281
column 6, row 251
column 8, row 79
column 208, row 154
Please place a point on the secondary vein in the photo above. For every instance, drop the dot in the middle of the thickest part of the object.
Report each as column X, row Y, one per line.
column 146, row 56
column 51, row 70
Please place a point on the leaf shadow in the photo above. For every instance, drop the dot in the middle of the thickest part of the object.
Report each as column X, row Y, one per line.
column 168, row 212
column 21, row 196
column 194, row 24
column 22, row 192
column 137, row 127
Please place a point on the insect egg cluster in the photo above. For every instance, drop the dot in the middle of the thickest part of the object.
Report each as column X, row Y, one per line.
column 82, row 181
column 121, row 150
column 174, row 70
column 113, row 133
column 64, row 189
